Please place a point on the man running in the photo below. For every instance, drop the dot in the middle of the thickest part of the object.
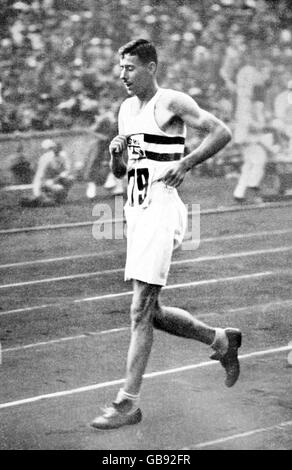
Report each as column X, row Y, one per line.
column 152, row 129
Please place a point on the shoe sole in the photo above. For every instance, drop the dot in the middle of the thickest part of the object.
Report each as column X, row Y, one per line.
column 134, row 419
column 230, row 359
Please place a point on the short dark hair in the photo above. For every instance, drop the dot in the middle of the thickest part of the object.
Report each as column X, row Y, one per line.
column 142, row 48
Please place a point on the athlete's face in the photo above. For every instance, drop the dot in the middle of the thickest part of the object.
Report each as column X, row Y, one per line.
column 135, row 75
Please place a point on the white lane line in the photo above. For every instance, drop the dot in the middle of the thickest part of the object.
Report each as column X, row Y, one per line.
column 60, row 259
column 222, row 440
column 239, row 254
column 239, row 236
column 260, row 307
column 65, row 339
column 170, row 287
column 236, row 236
column 62, row 278
column 150, row 375
column 265, row 306
column 17, row 187
column 218, row 210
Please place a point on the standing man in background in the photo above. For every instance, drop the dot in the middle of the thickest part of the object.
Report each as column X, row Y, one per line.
column 252, row 119
column 97, row 171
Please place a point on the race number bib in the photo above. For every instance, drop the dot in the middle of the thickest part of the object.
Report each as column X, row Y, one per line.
column 135, row 144
column 138, row 186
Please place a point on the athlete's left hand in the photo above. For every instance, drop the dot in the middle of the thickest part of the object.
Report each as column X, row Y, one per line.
column 174, row 175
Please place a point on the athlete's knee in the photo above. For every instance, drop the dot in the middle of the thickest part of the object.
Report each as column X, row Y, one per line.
column 141, row 310
column 140, row 316
column 143, row 305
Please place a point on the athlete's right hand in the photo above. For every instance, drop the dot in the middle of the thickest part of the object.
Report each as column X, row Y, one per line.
column 118, row 145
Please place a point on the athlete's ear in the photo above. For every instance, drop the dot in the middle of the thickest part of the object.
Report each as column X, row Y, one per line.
column 152, row 67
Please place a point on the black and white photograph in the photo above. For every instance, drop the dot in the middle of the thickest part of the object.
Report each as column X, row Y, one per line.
column 146, row 227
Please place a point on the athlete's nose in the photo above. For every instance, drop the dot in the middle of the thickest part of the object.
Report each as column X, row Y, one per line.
column 123, row 74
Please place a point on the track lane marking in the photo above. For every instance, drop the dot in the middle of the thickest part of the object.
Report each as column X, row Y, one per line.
column 60, row 259
column 65, row 339
column 129, row 293
column 236, row 236
column 203, row 445
column 173, row 263
column 110, row 383
column 217, row 210
column 260, row 307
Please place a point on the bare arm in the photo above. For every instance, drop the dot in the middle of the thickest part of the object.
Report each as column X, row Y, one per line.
column 217, row 136
column 217, row 133
column 117, row 148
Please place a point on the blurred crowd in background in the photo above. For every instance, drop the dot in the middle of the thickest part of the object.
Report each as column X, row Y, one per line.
column 58, row 58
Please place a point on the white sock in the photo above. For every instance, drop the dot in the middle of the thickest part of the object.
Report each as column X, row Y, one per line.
column 220, row 342
column 122, row 395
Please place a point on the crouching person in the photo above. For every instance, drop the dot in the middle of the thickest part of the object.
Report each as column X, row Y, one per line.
column 53, row 178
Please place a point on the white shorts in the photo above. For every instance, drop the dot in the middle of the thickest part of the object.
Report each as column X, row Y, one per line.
column 153, row 233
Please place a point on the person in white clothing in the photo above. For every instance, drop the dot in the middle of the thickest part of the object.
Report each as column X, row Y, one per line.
column 152, row 129
column 253, row 136
column 248, row 77
column 283, row 112
column 53, row 177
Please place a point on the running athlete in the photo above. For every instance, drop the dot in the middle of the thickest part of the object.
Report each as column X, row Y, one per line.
column 152, row 129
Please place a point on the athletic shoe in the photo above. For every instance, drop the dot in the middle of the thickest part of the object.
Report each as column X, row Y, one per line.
column 91, row 190
column 117, row 415
column 111, row 181
column 229, row 360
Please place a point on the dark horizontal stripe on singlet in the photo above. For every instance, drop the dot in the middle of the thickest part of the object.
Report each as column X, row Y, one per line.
column 163, row 139
column 163, row 157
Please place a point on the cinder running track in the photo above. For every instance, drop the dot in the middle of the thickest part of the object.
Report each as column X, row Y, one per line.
column 65, row 331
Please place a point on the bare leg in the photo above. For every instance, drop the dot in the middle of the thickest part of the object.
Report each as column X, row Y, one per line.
column 143, row 308
column 124, row 410
column 225, row 342
column 179, row 322
column 145, row 314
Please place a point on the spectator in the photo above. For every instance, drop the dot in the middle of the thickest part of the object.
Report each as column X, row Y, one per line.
column 258, row 141
column 97, row 166
column 65, row 51
column 231, row 62
column 247, row 79
column 283, row 126
column 53, row 177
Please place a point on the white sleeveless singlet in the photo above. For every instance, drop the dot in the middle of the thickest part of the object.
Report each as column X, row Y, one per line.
column 150, row 150
column 156, row 217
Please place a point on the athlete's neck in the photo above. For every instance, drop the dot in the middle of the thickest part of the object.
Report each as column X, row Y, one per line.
column 145, row 96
